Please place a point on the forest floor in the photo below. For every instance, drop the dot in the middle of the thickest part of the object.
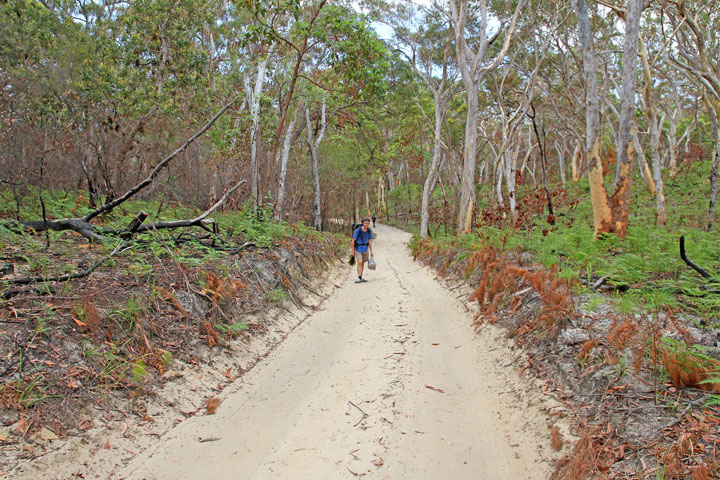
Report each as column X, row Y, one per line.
column 386, row 379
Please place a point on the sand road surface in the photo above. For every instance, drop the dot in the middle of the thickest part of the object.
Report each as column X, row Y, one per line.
column 387, row 380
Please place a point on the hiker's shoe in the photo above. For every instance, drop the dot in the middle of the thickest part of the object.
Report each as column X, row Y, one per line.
column 359, row 280
column 363, row 280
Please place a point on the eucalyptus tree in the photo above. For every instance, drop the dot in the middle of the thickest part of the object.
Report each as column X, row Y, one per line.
column 293, row 131
column 696, row 42
column 472, row 40
column 273, row 26
column 428, row 38
column 315, row 134
column 516, row 92
column 649, row 69
column 654, row 126
column 611, row 103
column 326, row 46
column 610, row 214
column 253, row 94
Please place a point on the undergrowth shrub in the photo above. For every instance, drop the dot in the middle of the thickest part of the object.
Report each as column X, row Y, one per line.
column 690, row 366
column 589, row 455
column 502, row 276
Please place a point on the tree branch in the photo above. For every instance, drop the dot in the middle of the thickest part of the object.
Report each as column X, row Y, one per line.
column 199, row 221
column 109, row 206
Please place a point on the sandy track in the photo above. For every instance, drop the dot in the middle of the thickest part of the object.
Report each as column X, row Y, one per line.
column 387, row 381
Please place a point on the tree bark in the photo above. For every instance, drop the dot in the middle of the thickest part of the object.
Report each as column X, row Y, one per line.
column 602, row 215
column 561, row 164
column 643, row 168
column 253, row 94
column 654, row 125
column 510, row 164
column 575, row 160
column 291, row 137
column 672, row 131
column 715, row 169
column 431, row 179
column 620, row 201
column 314, row 144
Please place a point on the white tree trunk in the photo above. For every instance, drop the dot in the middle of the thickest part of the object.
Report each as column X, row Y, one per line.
column 673, row 142
column 621, row 195
column 431, row 179
column 661, row 218
column 291, row 136
column 391, row 179
column 561, row 163
column 473, row 69
column 314, row 144
column 574, row 163
column 602, row 215
column 499, row 174
column 284, row 156
column 253, row 95
column 643, row 167
column 715, row 169
column 511, row 155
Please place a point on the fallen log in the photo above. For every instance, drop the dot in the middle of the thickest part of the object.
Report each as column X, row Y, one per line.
column 63, row 278
column 134, row 227
column 200, row 221
column 78, row 225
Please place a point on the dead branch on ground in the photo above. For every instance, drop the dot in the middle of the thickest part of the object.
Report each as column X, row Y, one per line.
column 690, row 263
column 134, row 227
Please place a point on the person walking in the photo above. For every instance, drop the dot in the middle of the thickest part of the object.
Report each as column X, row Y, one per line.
column 361, row 243
column 373, row 219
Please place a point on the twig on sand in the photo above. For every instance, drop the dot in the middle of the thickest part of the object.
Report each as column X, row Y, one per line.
column 355, row 473
column 435, row 389
column 393, row 354
column 365, row 415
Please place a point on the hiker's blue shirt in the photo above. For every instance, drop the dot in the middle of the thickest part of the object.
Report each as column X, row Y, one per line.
column 362, row 239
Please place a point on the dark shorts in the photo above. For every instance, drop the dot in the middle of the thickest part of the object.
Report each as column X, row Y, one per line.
column 362, row 256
